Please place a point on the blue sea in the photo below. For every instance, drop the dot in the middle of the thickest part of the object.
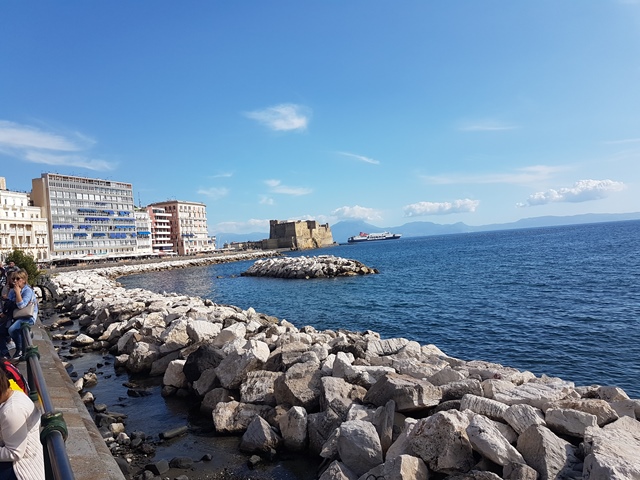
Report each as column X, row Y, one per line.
column 562, row 301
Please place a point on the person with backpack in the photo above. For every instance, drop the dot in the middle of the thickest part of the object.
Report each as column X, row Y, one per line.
column 16, row 379
column 21, row 453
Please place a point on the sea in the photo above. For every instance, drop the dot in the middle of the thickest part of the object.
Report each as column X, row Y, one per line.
column 561, row 301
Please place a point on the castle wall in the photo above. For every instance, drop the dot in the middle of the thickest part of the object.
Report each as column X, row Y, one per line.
column 301, row 235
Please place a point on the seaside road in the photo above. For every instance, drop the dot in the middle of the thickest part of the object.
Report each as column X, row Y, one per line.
column 88, row 454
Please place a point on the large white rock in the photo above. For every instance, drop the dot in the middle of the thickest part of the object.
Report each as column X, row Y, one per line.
column 522, row 416
column 359, row 446
column 173, row 376
column 259, row 437
column 487, row 440
column 536, row 394
column 293, row 427
column 259, row 387
column 409, row 394
column 547, row 453
column 571, row 422
column 403, row 467
column 441, row 440
column 202, row 330
column 612, row 452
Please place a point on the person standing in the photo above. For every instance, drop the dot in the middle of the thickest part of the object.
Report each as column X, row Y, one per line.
column 21, row 454
column 22, row 294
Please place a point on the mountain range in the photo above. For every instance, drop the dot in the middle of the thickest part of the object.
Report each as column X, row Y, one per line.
column 343, row 230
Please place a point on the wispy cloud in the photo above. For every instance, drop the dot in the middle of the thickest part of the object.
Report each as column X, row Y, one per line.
column 36, row 145
column 275, row 186
column 440, row 208
column 284, row 117
column 214, row 193
column 360, row 158
column 486, row 126
column 525, row 175
column 266, row 200
column 357, row 213
column 222, row 175
column 581, row 191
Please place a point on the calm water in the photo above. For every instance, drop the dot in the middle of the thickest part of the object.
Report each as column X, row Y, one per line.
column 564, row 301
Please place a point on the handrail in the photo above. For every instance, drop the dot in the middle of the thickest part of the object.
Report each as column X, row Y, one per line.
column 54, row 431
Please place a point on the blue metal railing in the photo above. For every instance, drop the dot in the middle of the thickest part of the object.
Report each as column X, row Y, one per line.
column 54, row 429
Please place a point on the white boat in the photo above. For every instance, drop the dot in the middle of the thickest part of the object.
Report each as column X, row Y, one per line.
column 370, row 237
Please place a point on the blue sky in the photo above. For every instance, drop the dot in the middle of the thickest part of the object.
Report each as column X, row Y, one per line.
column 444, row 111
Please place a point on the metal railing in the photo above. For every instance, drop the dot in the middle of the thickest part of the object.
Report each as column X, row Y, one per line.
column 54, row 429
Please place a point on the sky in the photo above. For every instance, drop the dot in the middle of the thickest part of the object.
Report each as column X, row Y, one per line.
column 469, row 111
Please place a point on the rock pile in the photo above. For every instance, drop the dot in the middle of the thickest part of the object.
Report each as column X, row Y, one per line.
column 308, row 267
column 371, row 407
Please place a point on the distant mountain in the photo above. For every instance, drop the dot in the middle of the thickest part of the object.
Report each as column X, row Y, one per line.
column 343, row 230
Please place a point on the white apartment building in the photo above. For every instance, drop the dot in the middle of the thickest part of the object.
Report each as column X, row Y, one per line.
column 143, row 231
column 87, row 216
column 22, row 226
column 188, row 222
column 160, row 231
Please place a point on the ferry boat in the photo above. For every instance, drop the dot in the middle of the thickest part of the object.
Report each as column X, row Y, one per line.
column 370, row 237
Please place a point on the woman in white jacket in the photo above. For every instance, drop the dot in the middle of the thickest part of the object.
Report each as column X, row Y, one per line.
column 21, row 455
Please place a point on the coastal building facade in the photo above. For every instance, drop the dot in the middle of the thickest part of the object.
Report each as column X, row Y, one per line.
column 160, row 231
column 188, row 226
column 298, row 235
column 143, row 231
column 22, row 225
column 86, row 216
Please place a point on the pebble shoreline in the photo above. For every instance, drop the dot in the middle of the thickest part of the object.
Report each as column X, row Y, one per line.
column 367, row 406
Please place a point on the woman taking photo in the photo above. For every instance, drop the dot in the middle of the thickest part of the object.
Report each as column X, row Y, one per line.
column 21, row 456
column 23, row 295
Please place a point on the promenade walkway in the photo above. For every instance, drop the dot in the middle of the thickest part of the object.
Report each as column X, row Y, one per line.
column 88, row 454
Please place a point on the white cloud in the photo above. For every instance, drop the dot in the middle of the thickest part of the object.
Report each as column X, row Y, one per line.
column 525, row 175
column 214, row 193
column 35, row 145
column 265, row 200
column 357, row 213
column 581, row 191
column 222, row 175
column 253, row 225
column 67, row 160
column 440, row 208
column 283, row 117
column 276, row 186
column 360, row 157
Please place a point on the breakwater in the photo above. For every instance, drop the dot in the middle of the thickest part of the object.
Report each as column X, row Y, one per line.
column 367, row 405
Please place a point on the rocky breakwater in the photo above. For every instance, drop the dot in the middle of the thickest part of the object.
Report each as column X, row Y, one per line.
column 320, row 266
column 370, row 407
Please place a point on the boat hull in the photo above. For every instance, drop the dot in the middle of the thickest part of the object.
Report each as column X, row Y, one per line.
column 374, row 237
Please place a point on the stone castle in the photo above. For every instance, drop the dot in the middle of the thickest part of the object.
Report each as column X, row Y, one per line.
column 298, row 235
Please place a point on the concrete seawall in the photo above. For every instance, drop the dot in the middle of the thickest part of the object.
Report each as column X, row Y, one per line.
column 88, row 454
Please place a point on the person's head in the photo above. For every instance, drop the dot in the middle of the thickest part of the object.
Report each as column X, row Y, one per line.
column 12, row 264
column 4, row 382
column 20, row 278
column 10, row 279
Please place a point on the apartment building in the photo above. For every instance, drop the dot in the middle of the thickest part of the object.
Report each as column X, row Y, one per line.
column 160, row 231
column 143, row 231
column 86, row 216
column 188, row 226
column 22, row 225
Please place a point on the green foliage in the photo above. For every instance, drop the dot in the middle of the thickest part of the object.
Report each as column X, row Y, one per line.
column 26, row 262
